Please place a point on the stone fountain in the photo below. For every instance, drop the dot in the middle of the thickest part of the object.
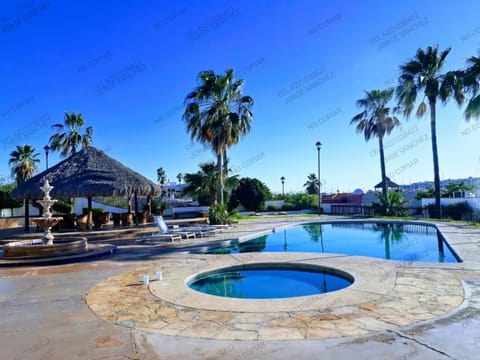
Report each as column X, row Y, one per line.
column 47, row 221
column 45, row 247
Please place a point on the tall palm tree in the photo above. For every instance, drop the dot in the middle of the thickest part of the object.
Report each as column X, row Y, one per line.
column 179, row 177
column 69, row 136
column 312, row 184
column 375, row 121
column 472, row 84
column 161, row 177
column 422, row 74
column 23, row 162
column 218, row 115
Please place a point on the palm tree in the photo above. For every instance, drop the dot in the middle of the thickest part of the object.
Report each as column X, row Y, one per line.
column 68, row 141
column 179, row 177
column 204, row 183
column 24, row 163
column 312, row 184
column 422, row 74
column 472, row 84
column 393, row 203
column 375, row 121
column 161, row 177
column 218, row 114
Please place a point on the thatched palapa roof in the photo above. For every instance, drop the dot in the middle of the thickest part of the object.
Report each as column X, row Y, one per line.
column 88, row 173
column 390, row 184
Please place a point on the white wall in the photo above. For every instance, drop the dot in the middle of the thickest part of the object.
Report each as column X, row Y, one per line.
column 20, row 211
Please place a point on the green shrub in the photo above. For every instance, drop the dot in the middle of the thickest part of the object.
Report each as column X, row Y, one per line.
column 273, row 207
column 218, row 215
column 300, row 201
column 455, row 211
column 62, row 207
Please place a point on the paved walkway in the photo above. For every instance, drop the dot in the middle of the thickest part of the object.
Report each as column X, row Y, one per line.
column 100, row 310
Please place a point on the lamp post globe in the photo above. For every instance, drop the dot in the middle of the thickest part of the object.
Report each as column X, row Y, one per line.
column 46, row 148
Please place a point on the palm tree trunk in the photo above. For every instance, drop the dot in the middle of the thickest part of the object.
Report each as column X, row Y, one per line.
column 382, row 167
column 220, row 170
column 436, row 171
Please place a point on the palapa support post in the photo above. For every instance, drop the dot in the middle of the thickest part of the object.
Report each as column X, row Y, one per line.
column 90, row 214
column 135, row 197
column 27, row 215
column 149, row 204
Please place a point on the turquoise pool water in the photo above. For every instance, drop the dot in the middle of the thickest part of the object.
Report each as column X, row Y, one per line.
column 258, row 283
column 405, row 242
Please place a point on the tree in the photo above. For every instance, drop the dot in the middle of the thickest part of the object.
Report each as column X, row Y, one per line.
column 161, row 177
column 393, row 203
column 69, row 137
column 6, row 201
column 422, row 74
column 203, row 184
column 179, row 178
column 24, row 162
column 451, row 188
column 472, row 85
column 430, row 193
column 375, row 121
column 251, row 193
column 312, row 184
column 218, row 115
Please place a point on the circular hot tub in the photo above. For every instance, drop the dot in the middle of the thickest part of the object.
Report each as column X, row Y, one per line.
column 270, row 281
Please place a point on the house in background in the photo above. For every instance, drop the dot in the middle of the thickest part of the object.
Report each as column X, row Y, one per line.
column 343, row 203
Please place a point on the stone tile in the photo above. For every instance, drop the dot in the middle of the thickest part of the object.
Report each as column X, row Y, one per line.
column 322, row 333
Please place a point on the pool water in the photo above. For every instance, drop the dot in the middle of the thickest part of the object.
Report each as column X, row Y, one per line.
column 405, row 242
column 269, row 283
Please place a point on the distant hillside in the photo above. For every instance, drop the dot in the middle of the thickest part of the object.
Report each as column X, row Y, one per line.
column 424, row 185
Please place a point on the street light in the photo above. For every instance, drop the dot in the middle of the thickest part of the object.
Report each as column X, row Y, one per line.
column 282, row 179
column 318, row 144
column 47, row 149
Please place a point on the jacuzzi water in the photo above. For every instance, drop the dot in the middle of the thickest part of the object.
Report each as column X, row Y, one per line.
column 269, row 283
column 392, row 241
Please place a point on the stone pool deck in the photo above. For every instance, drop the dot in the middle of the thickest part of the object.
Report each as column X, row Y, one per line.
column 101, row 310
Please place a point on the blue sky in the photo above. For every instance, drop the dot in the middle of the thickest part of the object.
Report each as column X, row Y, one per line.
column 127, row 66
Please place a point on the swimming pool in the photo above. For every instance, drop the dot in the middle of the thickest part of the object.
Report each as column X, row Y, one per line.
column 392, row 241
column 270, row 281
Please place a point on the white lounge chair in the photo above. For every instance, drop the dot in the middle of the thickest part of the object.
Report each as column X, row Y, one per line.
column 204, row 230
column 164, row 229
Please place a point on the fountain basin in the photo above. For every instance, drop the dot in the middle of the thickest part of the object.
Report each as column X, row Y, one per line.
column 30, row 249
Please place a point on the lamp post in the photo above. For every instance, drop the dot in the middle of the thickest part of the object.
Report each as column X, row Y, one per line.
column 318, row 144
column 282, row 179
column 47, row 149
